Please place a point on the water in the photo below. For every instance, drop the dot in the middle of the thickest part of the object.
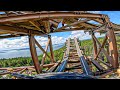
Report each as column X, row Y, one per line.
column 24, row 52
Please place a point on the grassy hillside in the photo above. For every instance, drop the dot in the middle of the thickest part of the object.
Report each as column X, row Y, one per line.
column 27, row 61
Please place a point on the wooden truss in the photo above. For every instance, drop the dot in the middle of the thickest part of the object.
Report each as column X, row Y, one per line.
column 31, row 23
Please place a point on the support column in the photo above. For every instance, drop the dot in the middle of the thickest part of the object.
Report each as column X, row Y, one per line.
column 113, row 47
column 95, row 45
column 34, row 53
column 51, row 48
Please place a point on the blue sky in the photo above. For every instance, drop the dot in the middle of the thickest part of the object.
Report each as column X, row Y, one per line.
column 57, row 38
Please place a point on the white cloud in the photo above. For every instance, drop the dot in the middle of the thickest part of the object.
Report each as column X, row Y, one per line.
column 23, row 42
column 97, row 12
column 82, row 36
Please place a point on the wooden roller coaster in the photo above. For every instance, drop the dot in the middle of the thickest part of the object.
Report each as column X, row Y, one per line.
column 75, row 64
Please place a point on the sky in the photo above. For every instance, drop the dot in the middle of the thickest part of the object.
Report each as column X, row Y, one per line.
column 57, row 38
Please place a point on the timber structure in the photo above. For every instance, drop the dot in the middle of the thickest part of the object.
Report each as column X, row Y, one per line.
column 75, row 63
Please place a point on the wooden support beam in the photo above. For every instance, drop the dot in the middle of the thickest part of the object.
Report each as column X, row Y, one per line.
column 19, row 30
column 75, row 23
column 44, row 55
column 50, row 15
column 34, row 54
column 97, row 65
column 11, row 36
column 54, row 67
column 113, row 47
column 41, row 48
column 94, row 45
column 101, row 61
column 101, row 47
column 36, row 25
column 44, row 66
column 51, row 49
column 106, row 54
column 47, row 26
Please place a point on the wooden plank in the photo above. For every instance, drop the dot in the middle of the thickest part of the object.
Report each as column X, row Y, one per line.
column 78, row 48
column 50, row 15
column 19, row 30
column 54, row 67
column 104, row 63
column 97, row 65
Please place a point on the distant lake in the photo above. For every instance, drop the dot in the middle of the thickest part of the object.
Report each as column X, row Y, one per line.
column 24, row 52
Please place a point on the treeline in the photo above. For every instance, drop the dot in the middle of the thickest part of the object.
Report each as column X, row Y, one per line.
column 27, row 61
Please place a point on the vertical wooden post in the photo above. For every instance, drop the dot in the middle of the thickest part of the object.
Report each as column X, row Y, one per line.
column 51, row 48
column 94, row 45
column 34, row 53
column 113, row 47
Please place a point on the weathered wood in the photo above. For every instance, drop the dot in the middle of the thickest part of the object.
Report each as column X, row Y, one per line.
column 104, row 51
column 101, row 47
column 104, row 63
column 54, row 67
column 22, row 70
column 41, row 48
column 51, row 49
column 72, row 24
column 44, row 66
column 34, row 54
column 97, row 65
column 113, row 47
column 78, row 48
column 50, row 15
column 68, row 47
column 95, row 45
column 14, row 29
column 36, row 25
column 44, row 55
